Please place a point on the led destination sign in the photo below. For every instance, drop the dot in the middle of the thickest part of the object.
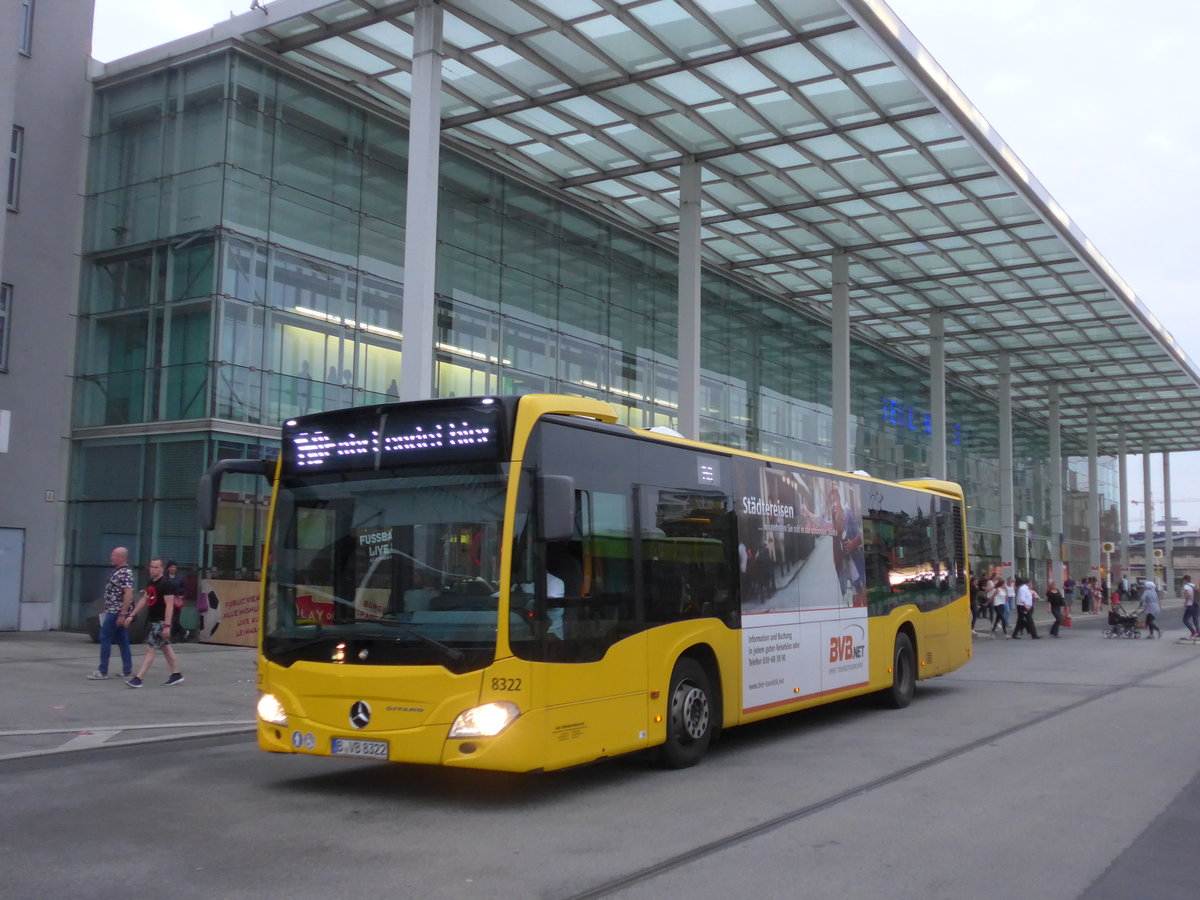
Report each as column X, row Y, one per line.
column 381, row 438
column 316, row 448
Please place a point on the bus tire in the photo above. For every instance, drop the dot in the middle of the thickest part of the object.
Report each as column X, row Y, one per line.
column 904, row 674
column 689, row 715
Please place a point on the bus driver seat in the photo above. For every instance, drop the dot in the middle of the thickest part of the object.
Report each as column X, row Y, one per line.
column 564, row 580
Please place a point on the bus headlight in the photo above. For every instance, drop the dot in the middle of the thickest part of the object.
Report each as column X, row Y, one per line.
column 271, row 710
column 485, row 721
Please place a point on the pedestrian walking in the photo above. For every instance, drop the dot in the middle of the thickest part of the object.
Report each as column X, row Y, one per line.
column 998, row 598
column 1085, row 596
column 159, row 599
column 1057, row 603
column 1025, row 611
column 178, row 633
column 1010, row 596
column 115, row 617
column 979, row 604
column 1191, row 607
column 1150, row 603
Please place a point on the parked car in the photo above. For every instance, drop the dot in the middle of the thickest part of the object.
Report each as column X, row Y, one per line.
column 137, row 631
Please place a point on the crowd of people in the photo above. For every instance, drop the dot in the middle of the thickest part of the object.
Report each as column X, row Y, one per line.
column 996, row 599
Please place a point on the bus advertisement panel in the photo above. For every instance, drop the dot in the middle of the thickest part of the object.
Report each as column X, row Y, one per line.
column 803, row 576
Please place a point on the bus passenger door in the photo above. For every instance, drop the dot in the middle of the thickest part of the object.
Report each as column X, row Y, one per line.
column 592, row 676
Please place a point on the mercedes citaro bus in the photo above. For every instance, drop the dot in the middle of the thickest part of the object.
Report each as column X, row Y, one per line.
column 522, row 584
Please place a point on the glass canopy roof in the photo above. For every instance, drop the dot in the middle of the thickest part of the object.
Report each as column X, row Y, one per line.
column 820, row 125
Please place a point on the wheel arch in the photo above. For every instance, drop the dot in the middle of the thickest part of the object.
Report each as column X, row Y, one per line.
column 907, row 628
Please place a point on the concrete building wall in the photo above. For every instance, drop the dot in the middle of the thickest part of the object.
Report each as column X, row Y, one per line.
column 46, row 92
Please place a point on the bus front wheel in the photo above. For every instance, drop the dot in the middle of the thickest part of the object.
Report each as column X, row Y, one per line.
column 689, row 719
column 904, row 674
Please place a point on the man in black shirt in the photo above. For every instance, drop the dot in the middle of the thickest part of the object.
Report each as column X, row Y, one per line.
column 159, row 599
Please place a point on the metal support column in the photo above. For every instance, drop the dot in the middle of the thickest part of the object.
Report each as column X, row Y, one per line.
column 421, row 210
column 1148, row 515
column 841, row 362
column 937, row 396
column 689, row 299
column 1007, row 538
column 1123, row 489
column 1169, row 535
column 1093, row 448
column 1056, row 486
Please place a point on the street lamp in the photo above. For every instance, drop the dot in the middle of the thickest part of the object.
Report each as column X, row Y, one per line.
column 1026, row 525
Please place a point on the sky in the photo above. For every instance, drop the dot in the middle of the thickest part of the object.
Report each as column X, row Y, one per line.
column 1094, row 96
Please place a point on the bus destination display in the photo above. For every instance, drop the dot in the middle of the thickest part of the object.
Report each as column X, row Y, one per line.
column 394, row 438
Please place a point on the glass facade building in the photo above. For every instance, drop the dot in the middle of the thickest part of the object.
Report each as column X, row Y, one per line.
column 244, row 263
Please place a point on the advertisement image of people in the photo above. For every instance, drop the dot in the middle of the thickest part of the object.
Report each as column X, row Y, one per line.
column 800, row 542
column 804, row 593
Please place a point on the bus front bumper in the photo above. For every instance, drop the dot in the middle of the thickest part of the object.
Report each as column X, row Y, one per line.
column 519, row 748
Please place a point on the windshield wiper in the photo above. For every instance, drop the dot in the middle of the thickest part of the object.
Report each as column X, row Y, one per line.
column 450, row 652
column 282, row 644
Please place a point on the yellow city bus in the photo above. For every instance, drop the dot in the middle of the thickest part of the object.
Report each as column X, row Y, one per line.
column 522, row 584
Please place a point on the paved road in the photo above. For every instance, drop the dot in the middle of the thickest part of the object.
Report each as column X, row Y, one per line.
column 1047, row 769
column 47, row 705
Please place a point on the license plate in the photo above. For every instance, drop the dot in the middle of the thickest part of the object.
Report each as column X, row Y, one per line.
column 354, row 747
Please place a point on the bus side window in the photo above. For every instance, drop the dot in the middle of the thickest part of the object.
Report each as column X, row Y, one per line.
column 688, row 546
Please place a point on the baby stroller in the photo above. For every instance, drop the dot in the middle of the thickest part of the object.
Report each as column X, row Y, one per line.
column 1120, row 623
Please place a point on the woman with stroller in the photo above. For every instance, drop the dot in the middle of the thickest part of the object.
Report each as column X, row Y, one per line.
column 1057, row 602
column 1150, row 603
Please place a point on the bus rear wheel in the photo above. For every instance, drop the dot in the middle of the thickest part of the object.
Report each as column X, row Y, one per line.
column 689, row 715
column 904, row 674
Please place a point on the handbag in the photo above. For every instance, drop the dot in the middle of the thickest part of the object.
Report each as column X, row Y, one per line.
column 1066, row 618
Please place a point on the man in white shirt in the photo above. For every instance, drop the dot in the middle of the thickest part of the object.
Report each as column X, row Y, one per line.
column 1024, row 610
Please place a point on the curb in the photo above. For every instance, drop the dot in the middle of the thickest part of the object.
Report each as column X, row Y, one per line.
column 242, row 728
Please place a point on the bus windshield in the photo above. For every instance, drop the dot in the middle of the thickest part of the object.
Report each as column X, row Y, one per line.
column 398, row 569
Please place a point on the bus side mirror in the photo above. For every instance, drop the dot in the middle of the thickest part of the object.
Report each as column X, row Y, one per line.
column 210, row 484
column 556, row 507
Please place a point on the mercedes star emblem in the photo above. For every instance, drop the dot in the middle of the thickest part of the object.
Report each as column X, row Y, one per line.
column 360, row 714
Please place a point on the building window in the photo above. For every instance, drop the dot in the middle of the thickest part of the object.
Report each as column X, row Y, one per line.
column 14, row 167
column 26, row 33
column 6, row 292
